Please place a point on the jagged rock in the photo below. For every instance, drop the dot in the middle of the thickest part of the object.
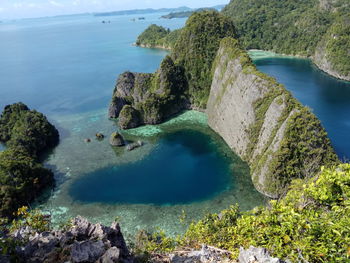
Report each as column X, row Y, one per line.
column 129, row 118
column 116, row 139
column 82, row 242
column 151, row 98
column 256, row 255
column 87, row 251
column 206, row 255
column 111, row 255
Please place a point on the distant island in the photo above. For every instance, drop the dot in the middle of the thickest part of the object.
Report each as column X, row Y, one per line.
column 143, row 11
column 184, row 14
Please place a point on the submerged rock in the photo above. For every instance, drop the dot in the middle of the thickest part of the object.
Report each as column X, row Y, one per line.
column 116, row 139
column 134, row 145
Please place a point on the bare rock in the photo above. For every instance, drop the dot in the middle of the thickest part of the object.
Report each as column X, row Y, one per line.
column 82, row 242
column 256, row 255
column 87, row 251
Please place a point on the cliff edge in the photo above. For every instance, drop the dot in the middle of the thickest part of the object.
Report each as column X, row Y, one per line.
column 261, row 122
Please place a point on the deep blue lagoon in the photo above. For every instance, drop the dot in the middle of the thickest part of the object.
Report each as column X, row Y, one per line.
column 185, row 167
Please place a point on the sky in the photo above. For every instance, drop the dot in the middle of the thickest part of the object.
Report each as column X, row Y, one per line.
column 38, row 8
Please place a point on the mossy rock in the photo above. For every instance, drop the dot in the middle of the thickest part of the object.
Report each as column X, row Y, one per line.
column 129, row 118
column 116, row 140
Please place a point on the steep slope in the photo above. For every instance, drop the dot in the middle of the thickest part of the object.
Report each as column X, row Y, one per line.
column 313, row 28
column 196, row 49
column 144, row 98
column 183, row 80
column 263, row 123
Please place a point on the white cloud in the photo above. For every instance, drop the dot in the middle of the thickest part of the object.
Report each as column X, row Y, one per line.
column 17, row 5
column 54, row 3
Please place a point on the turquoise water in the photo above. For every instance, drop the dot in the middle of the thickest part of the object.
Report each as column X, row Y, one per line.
column 328, row 97
column 66, row 67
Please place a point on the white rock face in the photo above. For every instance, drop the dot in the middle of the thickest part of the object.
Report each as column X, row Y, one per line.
column 232, row 110
column 230, row 107
column 262, row 123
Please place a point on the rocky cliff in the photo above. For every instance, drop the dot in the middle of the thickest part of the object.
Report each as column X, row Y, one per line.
column 142, row 98
column 183, row 79
column 263, row 123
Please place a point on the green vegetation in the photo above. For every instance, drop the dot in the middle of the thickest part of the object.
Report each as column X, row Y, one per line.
column 311, row 223
column 178, row 15
column 295, row 27
column 193, row 48
column 303, row 146
column 153, row 36
column 27, row 129
column 337, row 41
column 158, row 37
column 184, row 14
column 161, row 93
column 26, row 134
column 196, row 49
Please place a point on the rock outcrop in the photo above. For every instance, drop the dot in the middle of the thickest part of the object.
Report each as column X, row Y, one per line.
column 261, row 122
column 142, row 98
column 256, row 255
column 82, row 242
column 116, row 140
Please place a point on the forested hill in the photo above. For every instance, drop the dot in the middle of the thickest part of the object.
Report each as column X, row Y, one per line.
column 319, row 29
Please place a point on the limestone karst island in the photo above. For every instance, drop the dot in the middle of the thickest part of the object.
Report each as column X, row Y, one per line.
column 179, row 132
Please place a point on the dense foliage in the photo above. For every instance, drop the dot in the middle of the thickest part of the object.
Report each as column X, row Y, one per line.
column 158, row 37
column 310, row 224
column 193, row 48
column 153, row 36
column 294, row 27
column 196, row 49
column 26, row 134
column 28, row 129
column 337, row 42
